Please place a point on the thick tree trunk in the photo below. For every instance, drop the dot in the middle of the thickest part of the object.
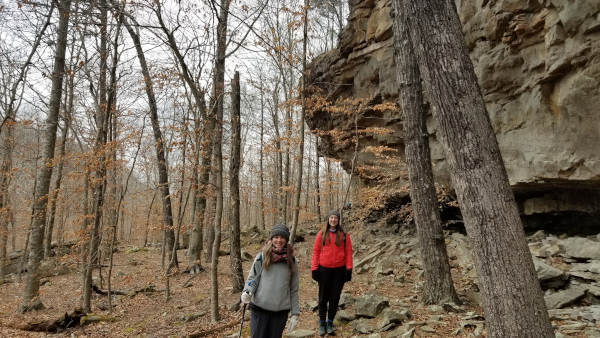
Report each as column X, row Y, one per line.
column 438, row 286
column 235, row 255
column 163, row 171
column 512, row 298
column 32, row 285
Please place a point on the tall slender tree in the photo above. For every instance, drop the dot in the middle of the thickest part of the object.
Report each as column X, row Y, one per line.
column 235, row 255
column 317, row 180
column 218, row 93
column 163, row 170
column 204, row 139
column 57, row 183
column 301, row 132
column 262, row 155
column 438, row 286
column 512, row 297
column 7, row 143
column 279, row 215
column 32, row 285
column 103, row 119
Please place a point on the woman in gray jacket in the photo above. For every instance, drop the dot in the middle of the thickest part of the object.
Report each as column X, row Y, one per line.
column 272, row 287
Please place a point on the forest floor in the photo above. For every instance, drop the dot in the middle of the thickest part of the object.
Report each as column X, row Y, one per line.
column 187, row 313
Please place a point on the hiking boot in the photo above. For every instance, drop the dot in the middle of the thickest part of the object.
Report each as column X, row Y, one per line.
column 330, row 329
column 322, row 328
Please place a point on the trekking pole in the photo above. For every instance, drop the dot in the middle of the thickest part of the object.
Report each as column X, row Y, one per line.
column 242, row 321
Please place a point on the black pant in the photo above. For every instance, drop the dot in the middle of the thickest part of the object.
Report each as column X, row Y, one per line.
column 267, row 324
column 331, row 282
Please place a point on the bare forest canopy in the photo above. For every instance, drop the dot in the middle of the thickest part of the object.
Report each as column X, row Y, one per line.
column 116, row 123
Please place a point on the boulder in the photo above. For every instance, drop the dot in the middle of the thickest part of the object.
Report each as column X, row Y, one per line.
column 362, row 326
column 392, row 318
column 581, row 248
column 587, row 313
column 385, row 267
column 346, row 300
column 370, row 305
column 549, row 276
column 344, row 316
column 562, row 298
column 592, row 266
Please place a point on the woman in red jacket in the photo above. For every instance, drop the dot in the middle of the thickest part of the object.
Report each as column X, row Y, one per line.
column 331, row 267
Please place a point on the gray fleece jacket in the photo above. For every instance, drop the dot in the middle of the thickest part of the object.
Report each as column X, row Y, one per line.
column 273, row 289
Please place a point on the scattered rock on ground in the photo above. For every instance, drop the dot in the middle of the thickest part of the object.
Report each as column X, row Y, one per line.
column 370, row 305
column 300, row 334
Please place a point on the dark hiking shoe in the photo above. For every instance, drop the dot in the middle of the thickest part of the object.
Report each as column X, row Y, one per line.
column 330, row 329
column 322, row 328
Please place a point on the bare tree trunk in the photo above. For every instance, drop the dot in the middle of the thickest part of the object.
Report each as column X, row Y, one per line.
column 262, row 155
column 318, row 179
column 25, row 255
column 512, row 298
column 280, row 217
column 163, row 171
column 32, row 285
column 85, row 224
column 113, row 176
column 438, row 286
column 288, row 149
column 6, row 149
column 103, row 116
column 180, row 206
column 219, row 91
column 211, row 203
column 5, row 209
column 56, row 190
column 147, row 228
column 235, row 255
column 123, row 190
column 330, row 204
column 206, row 145
column 303, row 112
column 307, row 190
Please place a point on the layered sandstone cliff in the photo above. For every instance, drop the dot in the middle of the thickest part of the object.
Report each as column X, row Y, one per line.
column 538, row 64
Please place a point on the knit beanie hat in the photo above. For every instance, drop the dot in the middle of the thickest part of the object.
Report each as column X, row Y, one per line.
column 280, row 230
column 332, row 213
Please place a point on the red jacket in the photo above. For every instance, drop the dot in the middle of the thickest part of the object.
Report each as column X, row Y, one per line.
column 331, row 255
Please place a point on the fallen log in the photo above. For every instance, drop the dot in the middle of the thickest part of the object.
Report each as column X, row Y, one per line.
column 54, row 326
column 105, row 293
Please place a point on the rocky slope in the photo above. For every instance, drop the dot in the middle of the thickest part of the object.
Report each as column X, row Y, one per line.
column 538, row 64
